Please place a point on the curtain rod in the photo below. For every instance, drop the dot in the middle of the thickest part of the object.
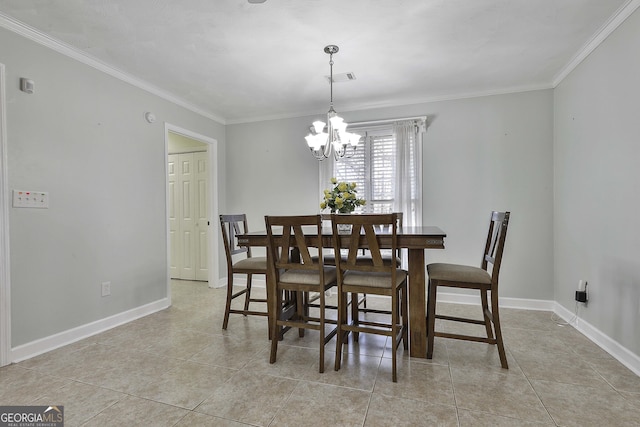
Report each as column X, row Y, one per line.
column 379, row 122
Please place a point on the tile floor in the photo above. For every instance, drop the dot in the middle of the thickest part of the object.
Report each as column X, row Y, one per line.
column 178, row 368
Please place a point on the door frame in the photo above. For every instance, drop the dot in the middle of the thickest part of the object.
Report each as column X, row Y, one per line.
column 5, row 276
column 212, row 235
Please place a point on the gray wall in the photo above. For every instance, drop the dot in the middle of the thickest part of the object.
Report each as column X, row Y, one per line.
column 82, row 137
column 597, row 199
column 479, row 154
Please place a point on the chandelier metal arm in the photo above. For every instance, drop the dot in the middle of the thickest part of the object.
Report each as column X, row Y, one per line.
column 336, row 138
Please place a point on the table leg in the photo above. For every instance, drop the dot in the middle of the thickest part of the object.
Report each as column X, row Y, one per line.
column 417, row 304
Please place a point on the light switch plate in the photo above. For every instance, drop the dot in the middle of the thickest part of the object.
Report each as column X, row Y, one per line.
column 30, row 199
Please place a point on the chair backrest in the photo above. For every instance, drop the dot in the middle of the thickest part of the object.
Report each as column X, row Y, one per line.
column 289, row 235
column 495, row 244
column 232, row 226
column 366, row 231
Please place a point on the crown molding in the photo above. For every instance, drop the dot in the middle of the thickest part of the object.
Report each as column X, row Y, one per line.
column 609, row 27
column 30, row 33
column 396, row 103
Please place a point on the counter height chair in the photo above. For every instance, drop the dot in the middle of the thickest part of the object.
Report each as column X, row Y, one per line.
column 295, row 271
column 240, row 261
column 364, row 257
column 375, row 278
column 483, row 278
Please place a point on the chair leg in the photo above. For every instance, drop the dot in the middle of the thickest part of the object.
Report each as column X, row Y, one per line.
column 431, row 317
column 227, row 308
column 485, row 314
column 275, row 329
column 394, row 335
column 355, row 315
column 322, row 331
column 247, row 295
column 301, row 298
column 342, row 319
column 496, row 325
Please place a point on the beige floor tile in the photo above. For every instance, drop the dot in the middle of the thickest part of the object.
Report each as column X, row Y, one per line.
column 477, row 354
column 77, row 363
column 81, row 401
column 230, row 352
column 581, row 345
column 527, row 319
column 187, row 385
column 253, row 328
column 417, row 381
column 20, row 386
column 440, row 353
column 386, row 411
column 367, row 344
column 580, row 406
column 312, row 404
column 249, row 397
column 535, row 342
column 154, row 370
column 483, row 419
column 133, row 411
column 498, row 393
column 633, row 398
column 43, row 361
column 618, row 375
column 356, row 371
column 128, row 371
column 194, row 419
column 181, row 344
column 291, row 362
column 559, row 367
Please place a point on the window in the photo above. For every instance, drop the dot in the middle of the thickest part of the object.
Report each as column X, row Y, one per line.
column 372, row 168
column 386, row 168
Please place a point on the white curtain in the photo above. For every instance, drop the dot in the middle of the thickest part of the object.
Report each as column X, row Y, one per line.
column 408, row 183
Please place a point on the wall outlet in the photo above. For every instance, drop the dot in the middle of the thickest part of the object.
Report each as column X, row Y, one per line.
column 106, row 289
column 581, row 296
column 581, row 293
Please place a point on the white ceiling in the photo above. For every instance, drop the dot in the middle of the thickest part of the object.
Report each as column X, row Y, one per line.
column 238, row 62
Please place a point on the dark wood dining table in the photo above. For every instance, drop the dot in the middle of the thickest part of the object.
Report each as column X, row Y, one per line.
column 415, row 240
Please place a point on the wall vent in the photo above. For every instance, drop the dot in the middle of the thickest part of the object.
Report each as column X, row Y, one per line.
column 344, row 77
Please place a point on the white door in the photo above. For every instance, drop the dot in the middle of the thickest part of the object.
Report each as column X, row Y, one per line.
column 188, row 215
column 174, row 225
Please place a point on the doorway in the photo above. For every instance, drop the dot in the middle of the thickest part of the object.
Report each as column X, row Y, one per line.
column 192, row 202
column 188, row 208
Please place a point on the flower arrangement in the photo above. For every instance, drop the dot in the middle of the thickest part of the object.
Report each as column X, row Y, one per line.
column 342, row 198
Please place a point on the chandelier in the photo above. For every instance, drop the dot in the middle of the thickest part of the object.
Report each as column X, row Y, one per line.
column 331, row 136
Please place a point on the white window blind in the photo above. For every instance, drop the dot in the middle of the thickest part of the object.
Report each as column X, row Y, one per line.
column 372, row 168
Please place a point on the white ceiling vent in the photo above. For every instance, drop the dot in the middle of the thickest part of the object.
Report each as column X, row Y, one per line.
column 344, row 77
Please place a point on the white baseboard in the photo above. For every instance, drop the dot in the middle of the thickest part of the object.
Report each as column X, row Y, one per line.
column 43, row 345
column 615, row 349
column 521, row 303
